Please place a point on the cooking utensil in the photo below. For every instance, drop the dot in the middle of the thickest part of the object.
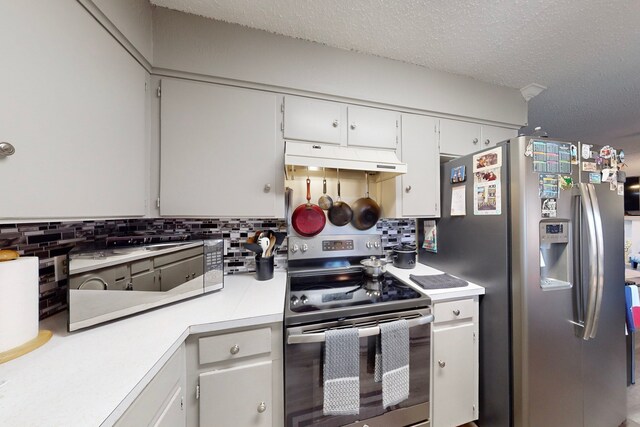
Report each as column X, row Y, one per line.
column 404, row 256
column 325, row 202
column 254, row 247
column 366, row 211
column 264, row 244
column 308, row 219
column 340, row 213
column 272, row 244
column 374, row 267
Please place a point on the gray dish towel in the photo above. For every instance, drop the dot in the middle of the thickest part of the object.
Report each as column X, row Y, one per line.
column 341, row 372
column 392, row 362
column 438, row 281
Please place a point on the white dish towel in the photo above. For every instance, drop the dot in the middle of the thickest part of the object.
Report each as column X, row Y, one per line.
column 392, row 362
column 341, row 372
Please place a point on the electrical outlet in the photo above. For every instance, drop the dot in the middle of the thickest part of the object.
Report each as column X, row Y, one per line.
column 61, row 268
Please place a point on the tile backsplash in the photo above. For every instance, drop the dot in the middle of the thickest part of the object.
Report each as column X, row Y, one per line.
column 48, row 240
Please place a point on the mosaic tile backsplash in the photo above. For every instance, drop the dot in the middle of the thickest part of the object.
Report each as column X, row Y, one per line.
column 51, row 239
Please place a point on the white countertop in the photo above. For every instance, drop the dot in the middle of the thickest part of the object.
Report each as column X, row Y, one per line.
column 436, row 295
column 80, row 378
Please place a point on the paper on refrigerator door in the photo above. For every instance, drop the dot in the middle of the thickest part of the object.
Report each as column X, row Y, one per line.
column 458, row 200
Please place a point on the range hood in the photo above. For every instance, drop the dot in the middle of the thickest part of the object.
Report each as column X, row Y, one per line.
column 381, row 164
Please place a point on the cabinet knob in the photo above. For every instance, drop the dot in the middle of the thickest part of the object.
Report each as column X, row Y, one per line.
column 475, row 140
column 456, row 312
column 353, row 126
column 186, row 277
column 441, row 363
column 235, row 349
column 408, row 188
column 262, row 407
column 267, row 188
column 487, row 142
column 6, row 149
column 335, row 123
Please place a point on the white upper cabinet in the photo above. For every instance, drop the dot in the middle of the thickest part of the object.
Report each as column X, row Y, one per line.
column 372, row 127
column 491, row 135
column 459, row 138
column 74, row 108
column 421, row 184
column 219, row 151
column 314, row 120
column 308, row 119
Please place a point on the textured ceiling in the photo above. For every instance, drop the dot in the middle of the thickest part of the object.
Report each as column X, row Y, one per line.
column 587, row 53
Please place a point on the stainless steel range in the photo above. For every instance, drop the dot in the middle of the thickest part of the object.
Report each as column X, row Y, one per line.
column 328, row 289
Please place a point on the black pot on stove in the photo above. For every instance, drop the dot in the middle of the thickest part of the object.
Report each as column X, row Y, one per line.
column 404, row 256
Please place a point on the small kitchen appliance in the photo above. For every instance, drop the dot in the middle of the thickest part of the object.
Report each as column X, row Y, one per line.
column 329, row 289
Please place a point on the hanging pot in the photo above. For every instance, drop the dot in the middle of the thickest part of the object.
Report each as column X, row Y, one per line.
column 340, row 213
column 366, row 211
column 404, row 256
column 308, row 219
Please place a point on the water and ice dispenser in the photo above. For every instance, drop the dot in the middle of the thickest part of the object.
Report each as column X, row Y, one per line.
column 554, row 254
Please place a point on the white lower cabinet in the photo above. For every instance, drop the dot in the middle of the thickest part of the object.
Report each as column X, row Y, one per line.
column 236, row 378
column 239, row 396
column 161, row 403
column 454, row 373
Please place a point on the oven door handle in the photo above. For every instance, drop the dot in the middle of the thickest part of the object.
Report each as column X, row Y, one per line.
column 362, row 332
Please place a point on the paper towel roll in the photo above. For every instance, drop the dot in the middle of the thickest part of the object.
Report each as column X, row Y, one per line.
column 18, row 302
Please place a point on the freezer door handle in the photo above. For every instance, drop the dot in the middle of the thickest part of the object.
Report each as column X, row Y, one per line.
column 587, row 192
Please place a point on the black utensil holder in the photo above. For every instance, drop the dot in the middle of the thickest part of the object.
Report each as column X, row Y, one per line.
column 264, row 268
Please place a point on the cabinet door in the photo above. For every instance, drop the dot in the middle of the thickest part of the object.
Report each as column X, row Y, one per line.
column 454, row 384
column 491, row 135
column 421, row 183
column 146, row 281
column 74, row 109
column 219, row 154
column 239, row 396
column 372, row 127
column 173, row 413
column 309, row 119
column 459, row 138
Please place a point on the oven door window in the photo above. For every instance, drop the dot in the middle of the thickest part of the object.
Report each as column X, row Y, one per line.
column 304, row 374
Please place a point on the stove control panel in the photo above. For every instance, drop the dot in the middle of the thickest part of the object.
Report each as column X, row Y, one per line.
column 335, row 246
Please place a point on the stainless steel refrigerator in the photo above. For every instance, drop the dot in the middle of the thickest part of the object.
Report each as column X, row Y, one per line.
column 529, row 221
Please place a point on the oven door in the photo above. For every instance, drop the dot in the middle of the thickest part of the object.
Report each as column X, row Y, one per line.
column 304, row 357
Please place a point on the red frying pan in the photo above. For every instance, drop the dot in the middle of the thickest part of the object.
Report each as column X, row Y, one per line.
column 308, row 219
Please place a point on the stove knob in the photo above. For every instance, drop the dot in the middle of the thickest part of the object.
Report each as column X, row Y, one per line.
column 304, row 248
column 369, row 245
column 304, row 300
column 294, row 301
column 376, row 244
column 294, row 249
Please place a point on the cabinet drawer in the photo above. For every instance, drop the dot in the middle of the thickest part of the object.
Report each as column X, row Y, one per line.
column 453, row 310
column 234, row 346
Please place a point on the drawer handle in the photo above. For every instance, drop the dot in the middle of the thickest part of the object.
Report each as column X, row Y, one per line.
column 262, row 407
column 475, row 140
column 441, row 363
column 456, row 312
column 235, row 349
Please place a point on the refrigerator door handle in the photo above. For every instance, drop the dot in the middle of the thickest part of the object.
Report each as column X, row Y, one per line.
column 578, row 256
column 599, row 260
column 592, row 294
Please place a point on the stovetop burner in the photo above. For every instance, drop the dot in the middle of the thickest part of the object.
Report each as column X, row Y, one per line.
column 327, row 282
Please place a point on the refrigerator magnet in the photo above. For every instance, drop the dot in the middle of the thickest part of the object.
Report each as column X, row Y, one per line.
column 606, row 152
column 608, row 175
column 595, row 178
column 613, row 186
column 620, row 189
column 589, row 167
column 549, row 208
column 586, row 151
column 574, row 154
column 458, row 174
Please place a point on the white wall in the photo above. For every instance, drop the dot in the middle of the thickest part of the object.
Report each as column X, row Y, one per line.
column 204, row 46
column 133, row 18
